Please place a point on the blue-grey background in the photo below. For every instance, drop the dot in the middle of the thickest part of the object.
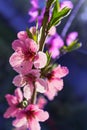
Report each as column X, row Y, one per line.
column 69, row 109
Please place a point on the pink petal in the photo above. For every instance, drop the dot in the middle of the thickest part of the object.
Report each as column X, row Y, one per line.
column 33, row 124
column 57, row 42
column 22, row 35
column 54, row 52
column 12, row 100
column 71, row 37
column 41, row 102
column 52, row 31
column 19, row 81
column 33, row 13
column 34, row 3
column 31, row 45
column 51, row 93
column 18, row 45
column 41, row 85
column 66, row 3
column 19, row 95
column 35, row 72
column 27, row 92
column 42, row 115
column 33, row 30
column 32, row 107
column 10, row 112
column 57, row 83
column 40, row 60
column 24, row 68
column 16, row 59
column 19, row 122
column 60, row 72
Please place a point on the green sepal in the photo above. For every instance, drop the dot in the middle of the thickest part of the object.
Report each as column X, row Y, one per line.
column 29, row 33
column 48, row 58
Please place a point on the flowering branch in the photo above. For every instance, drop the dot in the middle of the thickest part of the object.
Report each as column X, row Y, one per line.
column 36, row 73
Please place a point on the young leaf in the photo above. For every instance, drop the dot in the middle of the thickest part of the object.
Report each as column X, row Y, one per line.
column 55, row 9
column 73, row 46
column 58, row 17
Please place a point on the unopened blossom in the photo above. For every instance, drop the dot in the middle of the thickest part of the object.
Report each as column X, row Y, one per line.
column 71, row 37
column 26, row 55
column 14, row 102
column 55, row 83
column 66, row 3
column 29, row 81
column 36, row 12
column 54, row 43
column 31, row 116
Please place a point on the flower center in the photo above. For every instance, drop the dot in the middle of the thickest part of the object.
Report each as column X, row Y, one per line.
column 29, row 55
column 30, row 77
column 30, row 114
column 50, row 75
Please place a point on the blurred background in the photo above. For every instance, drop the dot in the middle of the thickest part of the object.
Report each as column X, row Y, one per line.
column 69, row 109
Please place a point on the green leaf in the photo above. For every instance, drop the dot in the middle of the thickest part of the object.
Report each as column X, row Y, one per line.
column 55, row 9
column 29, row 33
column 73, row 46
column 56, row 19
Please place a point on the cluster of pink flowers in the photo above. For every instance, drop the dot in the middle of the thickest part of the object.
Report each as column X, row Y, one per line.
column 29, row 62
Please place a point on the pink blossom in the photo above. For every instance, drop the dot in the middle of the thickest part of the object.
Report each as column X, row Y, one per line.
column 71, row 37
column 37, row 11
column 26, row 54
column 31, row 116
column 29, row 81
column 13, row 102
column 22, row 35
column 55, row 83
column 60, row 72
column 66, row 3
column 41, row 102
column 54, row 43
